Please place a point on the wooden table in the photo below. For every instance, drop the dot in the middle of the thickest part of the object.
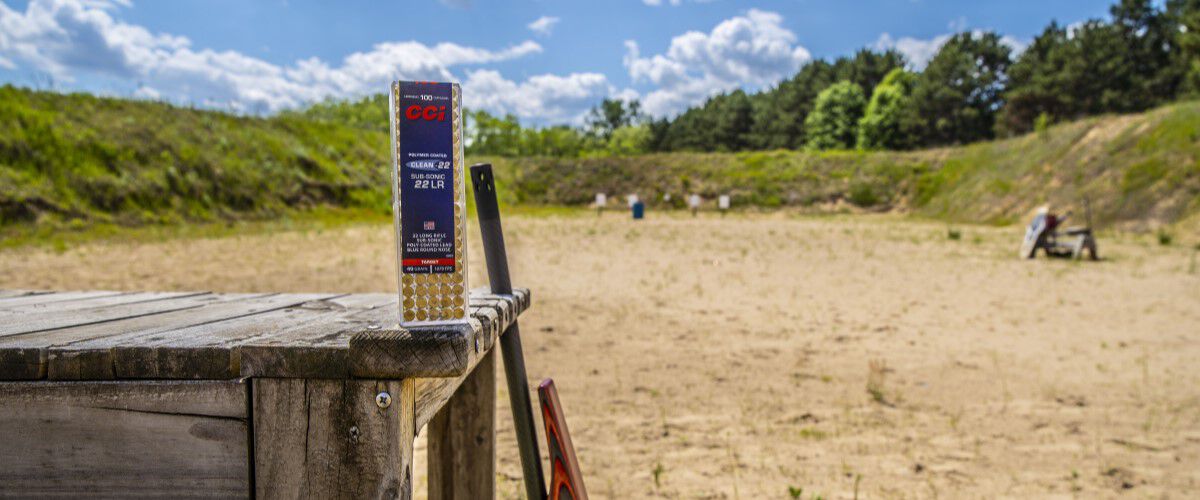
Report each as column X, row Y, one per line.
column 118, row 394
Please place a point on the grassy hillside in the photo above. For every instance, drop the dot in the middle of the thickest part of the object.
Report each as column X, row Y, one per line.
column 79, row 158
column 1137, row 171
column 76, row 160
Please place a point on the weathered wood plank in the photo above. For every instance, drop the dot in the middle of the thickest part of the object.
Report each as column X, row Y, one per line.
column 331, row 439
column 520, row 298
column 218, row 337
column 489, row 320
column 504, row 310
column 433, row 351
column 8, row 294
column 123, row 440
column 317, row 349
column 228, row 347
column 210, row 350
column 64, row 307
column 26, row 357
column 197, row 344
column 325, row 351
column 462, row 444
column 49, row 298
column 321, row 351
column 52, row 319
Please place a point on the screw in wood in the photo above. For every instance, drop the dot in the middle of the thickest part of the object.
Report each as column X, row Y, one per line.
column 383, row 400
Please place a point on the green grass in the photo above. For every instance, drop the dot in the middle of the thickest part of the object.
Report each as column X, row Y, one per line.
column 71, row 159
column 75, row 163
column 64, row 237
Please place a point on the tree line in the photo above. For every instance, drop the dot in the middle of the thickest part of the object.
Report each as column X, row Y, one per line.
column 974, row 88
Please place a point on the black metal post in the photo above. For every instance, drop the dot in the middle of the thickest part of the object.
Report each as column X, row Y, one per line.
column 488, row 212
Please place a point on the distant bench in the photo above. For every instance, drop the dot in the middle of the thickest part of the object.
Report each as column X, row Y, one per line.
column 119, row 394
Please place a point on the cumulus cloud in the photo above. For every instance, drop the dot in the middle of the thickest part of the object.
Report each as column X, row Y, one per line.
column 543, row 25
column 69, row 38
column 919, row 52
column 749, row 50
column 545, row 98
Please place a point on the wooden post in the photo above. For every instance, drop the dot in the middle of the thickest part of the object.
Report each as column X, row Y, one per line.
column 462, row 444
column 317, row 438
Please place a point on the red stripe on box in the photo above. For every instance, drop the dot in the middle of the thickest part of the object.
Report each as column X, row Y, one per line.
column 427, row 262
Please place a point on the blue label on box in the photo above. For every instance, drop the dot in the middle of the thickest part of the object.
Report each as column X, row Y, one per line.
column 426, row 176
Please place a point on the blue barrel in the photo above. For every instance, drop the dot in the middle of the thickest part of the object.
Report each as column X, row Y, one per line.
column 639, row 209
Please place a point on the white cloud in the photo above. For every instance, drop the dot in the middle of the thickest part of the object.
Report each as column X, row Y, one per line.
column 542, row 98
column 750, row 50
column 919, row 52
column 543, row 25
column 1016, row 44
column 72, row 38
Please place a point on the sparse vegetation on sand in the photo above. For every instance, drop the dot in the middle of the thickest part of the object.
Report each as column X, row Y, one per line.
column 774, row 356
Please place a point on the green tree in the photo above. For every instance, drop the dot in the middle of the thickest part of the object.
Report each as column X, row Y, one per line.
column 1129, row 64
column 833, row 123
column 722, row 123
column 612, row 114
column 658, row 129
column 487, row 134
column 1150, row 38
column 960, row 91
column 868, row 68
column 780, row 113
column 1036, row 82
column 733, row 116
column 692, row 130
column 885, row 124
column 629, row 140
column 558, row 140
column 1185, row 18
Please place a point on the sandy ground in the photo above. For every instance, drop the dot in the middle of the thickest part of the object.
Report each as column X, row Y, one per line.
column 760, row 355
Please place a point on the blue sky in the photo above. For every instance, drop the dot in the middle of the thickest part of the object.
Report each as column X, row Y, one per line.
column 546, row 61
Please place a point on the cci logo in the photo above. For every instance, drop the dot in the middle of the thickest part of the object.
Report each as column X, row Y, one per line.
column 427, row 113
